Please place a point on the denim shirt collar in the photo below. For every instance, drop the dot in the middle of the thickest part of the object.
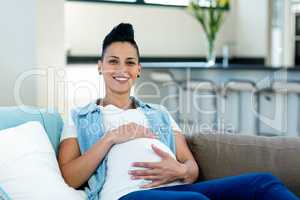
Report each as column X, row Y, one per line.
column 93, row 106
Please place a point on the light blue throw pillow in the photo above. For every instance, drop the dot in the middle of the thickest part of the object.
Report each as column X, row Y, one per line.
column 3, row 195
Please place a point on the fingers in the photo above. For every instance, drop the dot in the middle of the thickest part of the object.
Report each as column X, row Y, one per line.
column 131, row 131
column 144, row 172
column 150, row 165
column 150, row 178
column 140, row 131
column 159, row 152
column 147, row 132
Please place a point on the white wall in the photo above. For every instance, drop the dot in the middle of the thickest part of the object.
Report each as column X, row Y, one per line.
column 17, row 49
column 166, row 31
column 32, row 40
column 50, row 55
column 160, row 31
column 289, row 32
column 251, row 28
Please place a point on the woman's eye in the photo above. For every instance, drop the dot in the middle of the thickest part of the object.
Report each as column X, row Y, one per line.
column 131, row 63
column 113, row 61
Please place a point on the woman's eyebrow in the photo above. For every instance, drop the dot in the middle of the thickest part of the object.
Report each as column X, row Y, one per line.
column 131, row 58
column 113, row 57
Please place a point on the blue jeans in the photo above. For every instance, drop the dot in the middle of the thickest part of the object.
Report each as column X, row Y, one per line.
column 250, row 186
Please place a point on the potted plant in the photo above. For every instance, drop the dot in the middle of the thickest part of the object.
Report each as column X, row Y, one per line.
column 210, row 14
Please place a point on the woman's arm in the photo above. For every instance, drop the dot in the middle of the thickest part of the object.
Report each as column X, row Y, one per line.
column 76, row 169
column 185, row 156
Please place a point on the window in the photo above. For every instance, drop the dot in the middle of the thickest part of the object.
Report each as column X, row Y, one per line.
column 131, row 1
column 203, row 3
column 168, row 2
column 144, row 2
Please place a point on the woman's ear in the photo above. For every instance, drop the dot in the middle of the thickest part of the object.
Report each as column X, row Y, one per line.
column 100, row 67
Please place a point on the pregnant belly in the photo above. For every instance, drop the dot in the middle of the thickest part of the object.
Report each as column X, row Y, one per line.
column 120, row 159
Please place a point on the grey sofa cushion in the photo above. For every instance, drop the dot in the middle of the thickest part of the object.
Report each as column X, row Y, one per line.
column 220, row 155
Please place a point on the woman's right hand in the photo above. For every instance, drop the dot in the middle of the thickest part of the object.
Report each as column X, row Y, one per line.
column 128, row 132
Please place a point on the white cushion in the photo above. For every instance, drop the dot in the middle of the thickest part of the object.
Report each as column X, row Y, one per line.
column 28, row 165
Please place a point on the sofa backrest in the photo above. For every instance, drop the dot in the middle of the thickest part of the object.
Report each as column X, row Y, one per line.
column 220, row 155
column 52, row 121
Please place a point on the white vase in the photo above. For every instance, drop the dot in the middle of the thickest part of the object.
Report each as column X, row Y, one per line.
column 211, row 56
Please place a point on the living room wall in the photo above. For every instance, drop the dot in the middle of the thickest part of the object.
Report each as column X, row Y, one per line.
column 166, row 31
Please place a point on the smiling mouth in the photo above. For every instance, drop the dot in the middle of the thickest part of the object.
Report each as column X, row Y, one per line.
column 121, row 78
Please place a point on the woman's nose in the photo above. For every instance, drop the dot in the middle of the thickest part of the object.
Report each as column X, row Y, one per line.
column 121, row 67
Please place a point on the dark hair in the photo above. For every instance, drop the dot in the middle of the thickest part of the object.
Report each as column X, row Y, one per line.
column 122, row 33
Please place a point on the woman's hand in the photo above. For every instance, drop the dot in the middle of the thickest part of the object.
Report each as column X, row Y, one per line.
column 163, row 172
column 128, row 132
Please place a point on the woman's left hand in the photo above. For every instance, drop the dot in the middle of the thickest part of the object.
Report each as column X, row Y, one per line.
column 163, row 172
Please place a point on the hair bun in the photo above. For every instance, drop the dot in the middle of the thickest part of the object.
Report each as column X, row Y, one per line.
column 123, row 31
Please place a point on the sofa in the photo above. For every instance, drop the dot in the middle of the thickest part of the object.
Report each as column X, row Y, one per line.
column 218, row 155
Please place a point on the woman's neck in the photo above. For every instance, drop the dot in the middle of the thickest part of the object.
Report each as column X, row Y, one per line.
column 121, row 101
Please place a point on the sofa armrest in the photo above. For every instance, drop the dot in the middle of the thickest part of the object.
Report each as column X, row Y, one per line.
column 220, row 155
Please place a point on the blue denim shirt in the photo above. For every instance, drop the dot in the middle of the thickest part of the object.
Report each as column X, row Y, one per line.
column 89, row 124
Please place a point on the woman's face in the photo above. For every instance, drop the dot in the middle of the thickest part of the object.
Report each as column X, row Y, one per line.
column 120, row 67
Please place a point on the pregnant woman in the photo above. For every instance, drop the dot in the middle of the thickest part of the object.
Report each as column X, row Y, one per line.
column 120, row 147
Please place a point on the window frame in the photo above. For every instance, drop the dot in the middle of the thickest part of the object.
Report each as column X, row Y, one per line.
column 137, row 3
